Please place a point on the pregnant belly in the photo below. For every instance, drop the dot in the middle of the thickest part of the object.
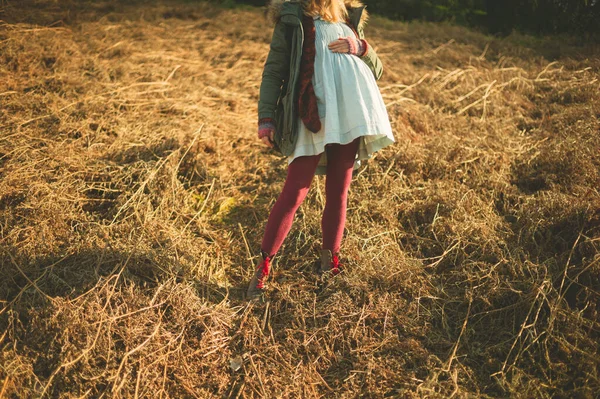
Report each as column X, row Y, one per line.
column 341, row 69
column 340, row 80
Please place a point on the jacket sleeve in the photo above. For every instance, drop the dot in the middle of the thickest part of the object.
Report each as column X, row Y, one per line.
column 371, row 58
column 275, row 72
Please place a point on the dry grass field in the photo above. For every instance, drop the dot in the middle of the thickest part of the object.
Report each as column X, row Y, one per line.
column 134, row 193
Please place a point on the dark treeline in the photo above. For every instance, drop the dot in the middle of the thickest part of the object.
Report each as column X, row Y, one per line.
column 494, row 16
column 500, row 16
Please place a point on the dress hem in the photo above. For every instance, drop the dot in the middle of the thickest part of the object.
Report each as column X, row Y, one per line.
column 369, row 144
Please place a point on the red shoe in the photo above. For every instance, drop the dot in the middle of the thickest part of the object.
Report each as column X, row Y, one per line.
column 256, row 287
column 330, row 263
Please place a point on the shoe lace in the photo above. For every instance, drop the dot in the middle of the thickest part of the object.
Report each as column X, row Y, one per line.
column 335, row 265
column 264, row 272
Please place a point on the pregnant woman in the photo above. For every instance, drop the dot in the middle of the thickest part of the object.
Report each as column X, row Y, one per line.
column 320, row 106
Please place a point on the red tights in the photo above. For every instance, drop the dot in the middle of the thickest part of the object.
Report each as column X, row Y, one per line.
column 340, row 162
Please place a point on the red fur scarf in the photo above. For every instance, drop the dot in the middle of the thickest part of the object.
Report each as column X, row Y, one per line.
column 307, row 100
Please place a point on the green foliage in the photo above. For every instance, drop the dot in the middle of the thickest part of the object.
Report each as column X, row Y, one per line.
column 228, row 3
column 462, row 11
column 539, row 16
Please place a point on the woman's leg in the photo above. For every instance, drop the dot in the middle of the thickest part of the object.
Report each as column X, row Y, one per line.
column 340, row 162
column 299, row 177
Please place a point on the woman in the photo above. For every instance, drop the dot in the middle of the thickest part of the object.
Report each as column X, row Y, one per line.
column 319, row 106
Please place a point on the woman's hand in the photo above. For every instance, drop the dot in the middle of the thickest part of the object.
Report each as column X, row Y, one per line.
column 348, row 45
column 340, row 45
column 268, row 138
column 266, row 131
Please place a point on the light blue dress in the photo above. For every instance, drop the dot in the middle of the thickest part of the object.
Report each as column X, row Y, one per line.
column 349, row 101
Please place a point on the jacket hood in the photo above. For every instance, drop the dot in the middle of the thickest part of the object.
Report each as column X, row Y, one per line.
column 274, row 9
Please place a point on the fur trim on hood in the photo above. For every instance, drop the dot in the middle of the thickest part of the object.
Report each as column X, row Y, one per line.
column 274, row 9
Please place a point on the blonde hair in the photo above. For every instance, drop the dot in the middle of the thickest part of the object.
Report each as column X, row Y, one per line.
column 329, row 10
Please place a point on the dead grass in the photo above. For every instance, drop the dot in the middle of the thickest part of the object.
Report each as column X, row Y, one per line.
column 133, row 196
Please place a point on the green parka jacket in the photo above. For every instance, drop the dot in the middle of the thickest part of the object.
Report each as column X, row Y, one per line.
column 279, row 88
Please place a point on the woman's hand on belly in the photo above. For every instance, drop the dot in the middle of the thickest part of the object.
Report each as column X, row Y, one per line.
column 346, row 45
column 340, row 45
